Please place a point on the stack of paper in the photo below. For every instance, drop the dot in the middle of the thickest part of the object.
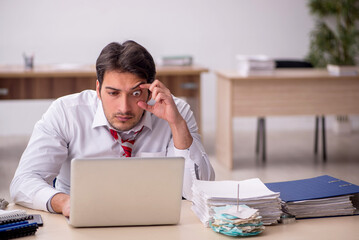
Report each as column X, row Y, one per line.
column 255, row 65
column 335, row 206
column 317, row 197
column 252, row 192
column 183, row 60
column 342, row 70
column 237, row 221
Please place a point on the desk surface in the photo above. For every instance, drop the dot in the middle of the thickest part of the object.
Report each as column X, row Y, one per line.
column 56, row 227
column 82, row 70
column 288, row 74
column 288, row 92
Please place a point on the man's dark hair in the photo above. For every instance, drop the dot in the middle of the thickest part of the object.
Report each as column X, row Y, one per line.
column 128, row 57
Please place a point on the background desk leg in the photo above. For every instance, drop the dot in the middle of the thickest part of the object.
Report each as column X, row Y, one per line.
column 224, row 143
column 316, row 131
column 324, row 140
column 261, row 138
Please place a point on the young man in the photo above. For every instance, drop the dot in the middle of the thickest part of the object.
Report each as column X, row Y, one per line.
column 114, row 121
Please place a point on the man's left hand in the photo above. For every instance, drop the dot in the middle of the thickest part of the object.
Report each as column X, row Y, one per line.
column 166, row 109
column 165, row 106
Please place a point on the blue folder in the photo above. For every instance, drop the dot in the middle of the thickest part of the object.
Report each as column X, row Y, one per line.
column 313, row 188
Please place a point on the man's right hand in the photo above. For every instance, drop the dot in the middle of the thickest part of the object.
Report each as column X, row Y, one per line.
column 60, row 203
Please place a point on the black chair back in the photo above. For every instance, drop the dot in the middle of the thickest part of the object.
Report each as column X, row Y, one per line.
column 292, row 64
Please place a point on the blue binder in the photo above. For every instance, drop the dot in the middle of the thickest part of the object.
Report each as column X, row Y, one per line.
column 313, row 188
column 17, row 229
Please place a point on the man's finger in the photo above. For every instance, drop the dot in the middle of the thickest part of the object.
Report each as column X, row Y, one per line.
column 145, row 106
column 151, row 86
column 145, row 85
column 156, row 91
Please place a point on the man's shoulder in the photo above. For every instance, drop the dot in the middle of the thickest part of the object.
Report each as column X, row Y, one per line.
column 179, row 100
column 181, row 103
column 84, row 98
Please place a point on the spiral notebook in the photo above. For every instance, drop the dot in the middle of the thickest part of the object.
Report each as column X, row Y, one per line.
column 9, row 216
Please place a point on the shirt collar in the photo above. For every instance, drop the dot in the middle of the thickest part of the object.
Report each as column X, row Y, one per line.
column 101, row 120
column 146, row 121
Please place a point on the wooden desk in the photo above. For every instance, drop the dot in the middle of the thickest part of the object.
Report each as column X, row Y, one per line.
column 284, row 92
column 53, row 81
column 56, row 227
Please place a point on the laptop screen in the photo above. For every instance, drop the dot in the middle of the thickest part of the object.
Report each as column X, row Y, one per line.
column 126, row 191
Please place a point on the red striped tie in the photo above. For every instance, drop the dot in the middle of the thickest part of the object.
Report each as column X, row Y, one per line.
column 126, row 145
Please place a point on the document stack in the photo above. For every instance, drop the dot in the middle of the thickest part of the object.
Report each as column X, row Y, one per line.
column 183, row 60
column 255, row 65
column 237, row 221
column 321, row 196
column 252, row 192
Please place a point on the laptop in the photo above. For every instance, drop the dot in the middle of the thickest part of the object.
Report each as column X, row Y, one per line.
column 126, row 191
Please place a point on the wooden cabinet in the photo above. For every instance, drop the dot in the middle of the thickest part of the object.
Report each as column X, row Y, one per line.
column 53, row 81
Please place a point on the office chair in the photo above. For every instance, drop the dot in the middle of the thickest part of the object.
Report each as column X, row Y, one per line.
column 261, row 123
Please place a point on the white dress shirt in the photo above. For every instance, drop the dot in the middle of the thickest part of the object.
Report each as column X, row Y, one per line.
column 75, row 126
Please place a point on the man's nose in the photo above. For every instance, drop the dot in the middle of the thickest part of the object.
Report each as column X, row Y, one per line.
column 124, row 104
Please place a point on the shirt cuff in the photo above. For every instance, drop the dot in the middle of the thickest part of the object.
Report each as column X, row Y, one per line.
column 42, row 197
column 189, row 163
column 182, row 152
column 193, row 153
column 48, row 205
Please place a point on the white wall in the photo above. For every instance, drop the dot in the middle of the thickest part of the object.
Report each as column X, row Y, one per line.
column 213, row 31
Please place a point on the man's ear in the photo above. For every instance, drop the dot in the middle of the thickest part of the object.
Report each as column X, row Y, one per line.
column 98, row 89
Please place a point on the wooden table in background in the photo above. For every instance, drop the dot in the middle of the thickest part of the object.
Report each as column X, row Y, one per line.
column 53, row 81
column 283, row 92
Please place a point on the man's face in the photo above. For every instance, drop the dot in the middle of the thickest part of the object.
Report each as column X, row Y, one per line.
column 119, row 94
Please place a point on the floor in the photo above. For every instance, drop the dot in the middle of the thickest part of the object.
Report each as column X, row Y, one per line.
column 289, row 157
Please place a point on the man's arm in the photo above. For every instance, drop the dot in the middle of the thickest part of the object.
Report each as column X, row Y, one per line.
column 185, row 138
column 41, row 162
column 197, row 164
column 182, row 138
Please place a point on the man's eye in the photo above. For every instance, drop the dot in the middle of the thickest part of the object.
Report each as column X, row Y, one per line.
column 136, row 93
column 112, row 93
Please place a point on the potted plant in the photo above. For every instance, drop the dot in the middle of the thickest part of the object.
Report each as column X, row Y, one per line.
column 334, row 43
column 335, row 40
